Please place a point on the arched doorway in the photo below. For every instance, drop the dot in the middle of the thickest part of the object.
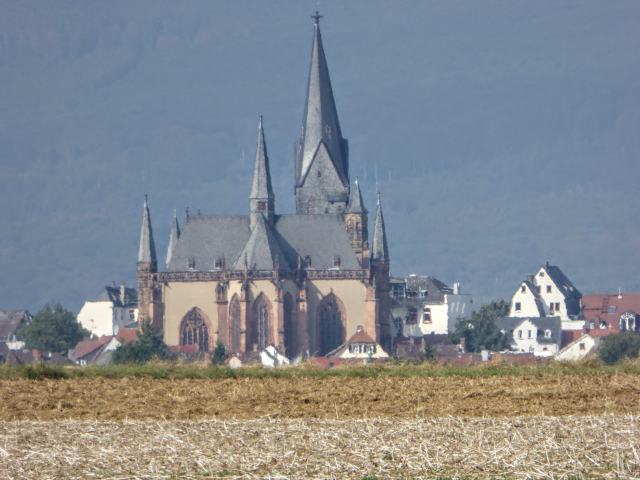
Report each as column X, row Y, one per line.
column 290, row 340
column 234, row 325
column 331, row 322
column 260, row 323
column 194, row 330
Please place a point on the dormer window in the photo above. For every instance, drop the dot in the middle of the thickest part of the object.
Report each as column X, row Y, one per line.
column 336, row 261
column 219, row 263
column 547, row 333
column 191, row 263
column 307, row 260
column 262, row 206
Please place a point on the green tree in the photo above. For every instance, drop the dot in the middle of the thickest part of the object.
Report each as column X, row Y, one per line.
column 53, row 329
column 480, row 331
column 618, row 346
column 429, row 353
column 148, row 346
column 219, row 354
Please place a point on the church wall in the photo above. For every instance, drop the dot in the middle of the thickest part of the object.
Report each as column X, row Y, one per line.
column 179, row 298
column 352, row 294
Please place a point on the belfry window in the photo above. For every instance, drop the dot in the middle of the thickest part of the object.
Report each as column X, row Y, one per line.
column 262, row 206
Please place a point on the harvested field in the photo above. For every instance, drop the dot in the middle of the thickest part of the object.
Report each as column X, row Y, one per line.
column 523, row 447
column 324, row 397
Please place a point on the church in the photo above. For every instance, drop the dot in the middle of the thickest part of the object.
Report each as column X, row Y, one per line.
column 302, row 282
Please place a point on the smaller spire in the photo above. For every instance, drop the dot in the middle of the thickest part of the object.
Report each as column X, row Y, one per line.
column 380, row 250
column 261, row 198
column 174, row 236
column 356, row 204
column 147, row 249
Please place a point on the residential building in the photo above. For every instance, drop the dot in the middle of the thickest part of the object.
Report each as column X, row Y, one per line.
column 606, row 313
column 541, row 336
column 360, row 346
column 114, row 308
column 548, row 293
column 10, row 322
column 300, row 282
column 579, row 348
column 424, row 305
column 98, row 351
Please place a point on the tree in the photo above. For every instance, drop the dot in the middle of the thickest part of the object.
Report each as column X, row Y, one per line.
column 219, row 354
column 480, row 331
column 618, row 346
column 53, row 329
column 148, row 346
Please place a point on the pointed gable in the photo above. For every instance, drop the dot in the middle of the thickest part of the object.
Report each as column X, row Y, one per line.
column 147, row 248
column 174, row 236
column 262, row 251
column 380, row 250
column 356, row 204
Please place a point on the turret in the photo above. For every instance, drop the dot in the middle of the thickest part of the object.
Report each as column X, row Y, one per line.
column 321, row 153
column 356, row 220
column 174, row 236
column 261, row 198
column 147, row 265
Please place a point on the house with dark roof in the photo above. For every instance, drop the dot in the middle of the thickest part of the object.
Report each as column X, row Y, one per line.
column 423, row 305
column 301, row 282
column 10, row 322
column 548, row 293
column 541, row 336
column 115, row 307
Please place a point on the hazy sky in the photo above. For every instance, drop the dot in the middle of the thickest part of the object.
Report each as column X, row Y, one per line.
column 502, row 133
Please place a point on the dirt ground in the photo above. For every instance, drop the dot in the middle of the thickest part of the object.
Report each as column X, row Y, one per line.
column 605, row 446
column 331, row 397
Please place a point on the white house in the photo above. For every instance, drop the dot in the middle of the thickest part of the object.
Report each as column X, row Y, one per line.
column 115, row 308
column 538, row 335
column 359, row 347
column 425, row 306
column 548, row 293
column 579, row 348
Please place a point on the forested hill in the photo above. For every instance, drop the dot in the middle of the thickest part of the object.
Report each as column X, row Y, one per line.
column 502, row 133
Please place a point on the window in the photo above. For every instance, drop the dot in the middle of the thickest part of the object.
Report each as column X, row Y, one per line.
column 528, row 333
column 603, row 324
column 541, row 274
column 519, row 333
column 307, row 260
column 423, row 294
column 548, row 288
column 194, row 331
column 219, row 263
column 523, row 289
column 336, row 261
column 538, row 288
column 547, row 333
column 557, row 306
column 412, row 316
column 426, row 315
column 132, row 314
column 518, row 306
column 331, row 329
column 612, row 309
column 581, row 346
column 262, row 205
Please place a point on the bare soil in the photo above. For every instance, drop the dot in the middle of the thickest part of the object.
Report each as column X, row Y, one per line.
column 330, row 397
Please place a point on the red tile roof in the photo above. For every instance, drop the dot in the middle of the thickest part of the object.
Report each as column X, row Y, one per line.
column 127, row 335
column 609, row 307
column 85, row 347
column 361, row 337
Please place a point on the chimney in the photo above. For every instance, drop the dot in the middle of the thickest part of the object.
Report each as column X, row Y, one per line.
column 123, row 291
column 456, row 288
column 619, row 293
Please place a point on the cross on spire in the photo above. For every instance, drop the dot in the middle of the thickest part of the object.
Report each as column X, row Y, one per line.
column 316, row 18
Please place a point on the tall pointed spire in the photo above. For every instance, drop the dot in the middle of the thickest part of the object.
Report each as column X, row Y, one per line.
column 321, row 134
column 261, row 198
column 380, row 250
column 174, row 236
column 147, row 250
column 356, row 204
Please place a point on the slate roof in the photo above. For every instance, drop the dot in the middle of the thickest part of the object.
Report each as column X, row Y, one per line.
column 356, row 204
column 261, row 183
column 561, row 281
column 262, row 251
column 435, row 289
column 320, row 121
column 536, row 296
column 380, row 250
column 11, row 321
column 112, row 294
column 553, row 324
column 207, row 238
column 174, row 235
column 147, row 248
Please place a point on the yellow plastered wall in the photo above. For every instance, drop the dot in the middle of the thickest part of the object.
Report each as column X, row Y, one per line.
column 352, row 293
column 179, row 298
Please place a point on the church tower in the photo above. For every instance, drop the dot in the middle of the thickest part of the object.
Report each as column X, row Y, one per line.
column 261, row 198
column 380, row 271
column 356, row 220
column 147, row 265
column 321, row 153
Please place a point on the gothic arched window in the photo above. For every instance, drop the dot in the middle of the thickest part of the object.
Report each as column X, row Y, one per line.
column 290, row 338
column 260, row 323
column 234, row 324
column 331, row 324
column 194, row 331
